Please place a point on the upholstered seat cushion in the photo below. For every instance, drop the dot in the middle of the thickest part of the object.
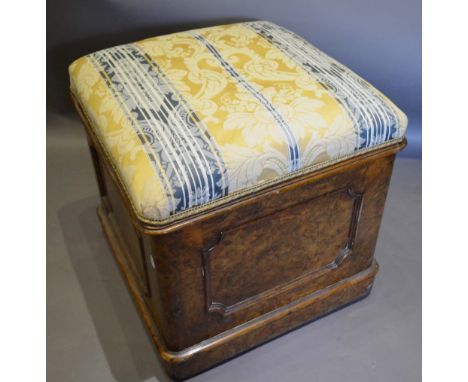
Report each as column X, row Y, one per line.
column 193, row 119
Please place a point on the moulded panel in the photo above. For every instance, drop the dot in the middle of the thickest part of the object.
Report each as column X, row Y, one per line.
column 261, row 258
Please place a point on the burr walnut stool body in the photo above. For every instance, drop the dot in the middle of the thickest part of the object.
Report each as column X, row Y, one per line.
column 243, row 175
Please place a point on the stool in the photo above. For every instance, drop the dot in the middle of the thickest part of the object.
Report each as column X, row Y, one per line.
column 242, row 175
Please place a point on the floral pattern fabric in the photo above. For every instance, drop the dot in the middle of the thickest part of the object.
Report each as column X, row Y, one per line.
column 198, row 117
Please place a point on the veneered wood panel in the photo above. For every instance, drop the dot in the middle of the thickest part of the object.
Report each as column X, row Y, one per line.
column 295, row 244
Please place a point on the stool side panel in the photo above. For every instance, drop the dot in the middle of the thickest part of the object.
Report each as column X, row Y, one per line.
column 210, row 289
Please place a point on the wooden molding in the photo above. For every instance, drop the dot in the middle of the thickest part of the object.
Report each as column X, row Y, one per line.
column 224, row 309
column 145, row 264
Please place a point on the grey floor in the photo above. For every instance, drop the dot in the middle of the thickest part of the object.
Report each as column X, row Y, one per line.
column 94, row 332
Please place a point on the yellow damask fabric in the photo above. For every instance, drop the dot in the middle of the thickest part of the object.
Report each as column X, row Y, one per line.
column 195, row 118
